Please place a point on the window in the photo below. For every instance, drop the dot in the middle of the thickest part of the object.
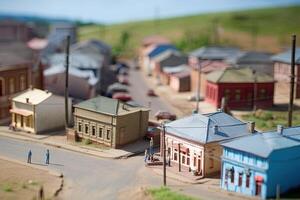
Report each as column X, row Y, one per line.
column 108, row 134
column 195, row 160
column 93, row 130
column 2, row 86
column 262, row 94
column 175, row 156
column 188, row 160
column 240, row 179
column 100, row 132
column 247, row 180
column 227, row 94
column 232, row 175
column 237, row 95
column 79, row 127
column 11, row 85
column 86, row 129
column 211, row 162
column 22, row 83
column 183, row 159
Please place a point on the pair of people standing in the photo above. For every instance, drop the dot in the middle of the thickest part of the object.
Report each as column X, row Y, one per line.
column 47, row 157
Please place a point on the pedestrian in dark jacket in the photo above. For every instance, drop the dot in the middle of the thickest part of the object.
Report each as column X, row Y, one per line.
column 47, row 156
column 29, row 156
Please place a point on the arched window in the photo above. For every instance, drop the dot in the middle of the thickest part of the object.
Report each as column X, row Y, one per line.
column 22, row 83
column 2, row 86
column 11, row 85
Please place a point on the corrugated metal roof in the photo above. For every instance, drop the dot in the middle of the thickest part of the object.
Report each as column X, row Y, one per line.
column 201, row 127
column 264, row 144
column 160, row 49
column 250, row 57
column 35, row 96
column 238, row 75
column 215, row 52
column 285, row 57
column 166, row 54
column 175, row 69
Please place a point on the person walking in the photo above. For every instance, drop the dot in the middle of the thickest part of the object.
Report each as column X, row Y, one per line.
column 47, row 157
column 29, row 156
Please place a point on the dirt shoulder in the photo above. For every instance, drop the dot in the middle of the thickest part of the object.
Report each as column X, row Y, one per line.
column 19, row 181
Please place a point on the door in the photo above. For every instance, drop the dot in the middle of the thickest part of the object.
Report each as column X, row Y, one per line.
column 257, row 188
column 199, row 166
column 22, row 121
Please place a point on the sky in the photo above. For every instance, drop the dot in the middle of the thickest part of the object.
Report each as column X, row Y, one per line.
column 118, row 11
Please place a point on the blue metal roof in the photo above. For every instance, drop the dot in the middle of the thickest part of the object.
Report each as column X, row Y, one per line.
column 201, row 128
column 285, row 57
column 264, row 144
column 161, row 48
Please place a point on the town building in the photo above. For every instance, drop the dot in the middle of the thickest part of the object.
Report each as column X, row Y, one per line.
column 282, row 72
column 180, row 82
column 199, row 73
column 262, row 164
column 109, row 121
column 258, row 61
column 12, row 31
column 193, row 145
column 168, row 71
column 242, row 88
column 37, row 111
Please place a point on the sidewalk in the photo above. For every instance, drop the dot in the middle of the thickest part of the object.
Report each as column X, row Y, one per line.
column 59, row 140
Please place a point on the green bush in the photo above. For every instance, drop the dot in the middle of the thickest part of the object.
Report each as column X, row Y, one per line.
column 7, row 188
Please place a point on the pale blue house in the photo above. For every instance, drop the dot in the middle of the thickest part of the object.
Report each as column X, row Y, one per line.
column 257, row 164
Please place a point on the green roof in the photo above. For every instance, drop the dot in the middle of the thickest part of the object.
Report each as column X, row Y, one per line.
column 238, row 75
column 105, row 105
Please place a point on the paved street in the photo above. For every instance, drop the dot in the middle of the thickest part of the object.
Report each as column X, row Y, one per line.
column 86, row 176
column 138, row 90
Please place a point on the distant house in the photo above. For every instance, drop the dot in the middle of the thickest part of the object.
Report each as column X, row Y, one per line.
column 282, row 72
column 180, row 82
column 205, row 68
column 216, row 53
column 259, row 61
column 110, row 122
column 168, row 58
column 37, row 111
column 168, row 71
column 262, row 163
column 242, row 88
column 12, row 31
column 153, row 52
column 193, row 141
column 84, row 75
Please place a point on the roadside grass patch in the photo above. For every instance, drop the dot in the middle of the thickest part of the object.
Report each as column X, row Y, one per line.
column 164, row 193
column 268, row 120
column 7, row 188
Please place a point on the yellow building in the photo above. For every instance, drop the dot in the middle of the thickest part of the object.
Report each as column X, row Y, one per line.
column 110, row 122
column 38, row 111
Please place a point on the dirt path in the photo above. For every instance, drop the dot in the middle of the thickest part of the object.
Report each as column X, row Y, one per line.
column 19, row 181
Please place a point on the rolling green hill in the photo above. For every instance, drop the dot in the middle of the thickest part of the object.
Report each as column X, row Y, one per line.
column 267, row 29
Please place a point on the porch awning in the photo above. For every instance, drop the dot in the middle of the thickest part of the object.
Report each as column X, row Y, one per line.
column 22, row 112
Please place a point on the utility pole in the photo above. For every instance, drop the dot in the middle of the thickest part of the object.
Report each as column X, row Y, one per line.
column 179, row 158
column 67, row 83
column 254, row 90
column 164, row 153
column 198, row 86
column 291, row 103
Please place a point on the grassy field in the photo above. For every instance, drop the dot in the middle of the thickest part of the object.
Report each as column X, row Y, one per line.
column 262, row 29
column 268, row 120
column 165, row 193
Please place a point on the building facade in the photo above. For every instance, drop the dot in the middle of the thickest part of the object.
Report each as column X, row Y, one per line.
column 241, row 88
column 271, row 167
column 193, row 142
column 37, row 111
column 110, row 122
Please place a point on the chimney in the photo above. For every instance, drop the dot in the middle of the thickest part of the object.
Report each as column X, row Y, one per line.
column 215, row 129
column 27, row 100
column 251, row 127
column 280, row 129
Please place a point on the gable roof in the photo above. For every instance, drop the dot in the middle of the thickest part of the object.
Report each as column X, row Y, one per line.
column 35, row 96
column 266, row 143
column 166, row 54
column 160, row 49
column 285, row 57
column 238, row 75
column 106, row 105
column 215, row 52
column 201, row 127
column 251, row 57
column 91, row 46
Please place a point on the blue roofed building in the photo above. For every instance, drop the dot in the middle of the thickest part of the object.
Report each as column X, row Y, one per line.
column 193, row 141
column 282, row 72
column 258, row 164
